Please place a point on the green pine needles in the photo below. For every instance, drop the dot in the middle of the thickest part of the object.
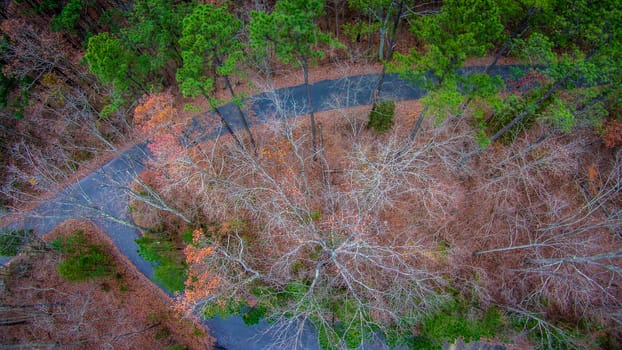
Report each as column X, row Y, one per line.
column 82, row 260
column 381, row 116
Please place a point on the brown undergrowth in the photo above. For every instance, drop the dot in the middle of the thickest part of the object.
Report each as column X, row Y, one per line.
column 122, row 311
column 530, row 227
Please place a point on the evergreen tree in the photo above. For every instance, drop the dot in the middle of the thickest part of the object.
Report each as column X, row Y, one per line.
column 197, row 74
column 211, row 45
column 462, row 29
column 116, row 66
column 290, row 31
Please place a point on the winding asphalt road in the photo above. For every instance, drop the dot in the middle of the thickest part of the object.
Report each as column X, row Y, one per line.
column 102, row 196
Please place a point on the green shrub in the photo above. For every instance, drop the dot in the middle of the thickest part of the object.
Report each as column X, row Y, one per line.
column 170, row 269
column 172, row 275
column 254, row 315
column 457, row 321
column 12, row 241
column 224, row 308
column 82, row 260
column 187, row 235
column 381, row 117
column 154, row 249
column 68, row 17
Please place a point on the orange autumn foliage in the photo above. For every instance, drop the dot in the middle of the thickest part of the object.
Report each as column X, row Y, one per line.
column 155, row 118
column 593, row 176
column 154, row 113
column 201, row 283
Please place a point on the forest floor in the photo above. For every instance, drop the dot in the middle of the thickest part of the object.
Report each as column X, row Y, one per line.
column 122, row 311
column 338, row 126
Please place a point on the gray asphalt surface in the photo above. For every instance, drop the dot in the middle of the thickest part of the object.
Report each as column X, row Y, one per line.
column 100, row 196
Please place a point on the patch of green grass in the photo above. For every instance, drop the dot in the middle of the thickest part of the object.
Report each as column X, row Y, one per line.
column 455, row 321
column 187, row 235
column 224, row 309
column 172, row 275
column 254, row 315
column 82, row 260
column 170, row 269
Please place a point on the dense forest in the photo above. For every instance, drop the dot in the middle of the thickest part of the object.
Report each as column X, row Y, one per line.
column 490, row 208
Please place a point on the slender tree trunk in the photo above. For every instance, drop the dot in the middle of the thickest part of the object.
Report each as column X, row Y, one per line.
column 507, row 249
column 506, row 45
column 522, row 27
column 383, row 32
column 241, row 112
column 594, row 259
column 228, row 126
column 391, row 50
column 369, row 21
column 375, row 96
column 337, row 6
column 225, row 123
column 305, row 70
column 526, row 112
column 413, row 133
column 218, row 61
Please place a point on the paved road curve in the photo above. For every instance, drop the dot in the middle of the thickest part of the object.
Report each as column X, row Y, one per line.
column 102, row 198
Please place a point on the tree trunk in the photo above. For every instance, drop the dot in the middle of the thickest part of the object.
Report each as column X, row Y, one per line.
column 337, row 7
column 305, row 70
column 375, row 96
column 225, row 123
column 391, row 50
column 240, row 111
column 518, row 31
column 383, row 32
column 413, row 133
column 525, row 113
column 228, row 126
